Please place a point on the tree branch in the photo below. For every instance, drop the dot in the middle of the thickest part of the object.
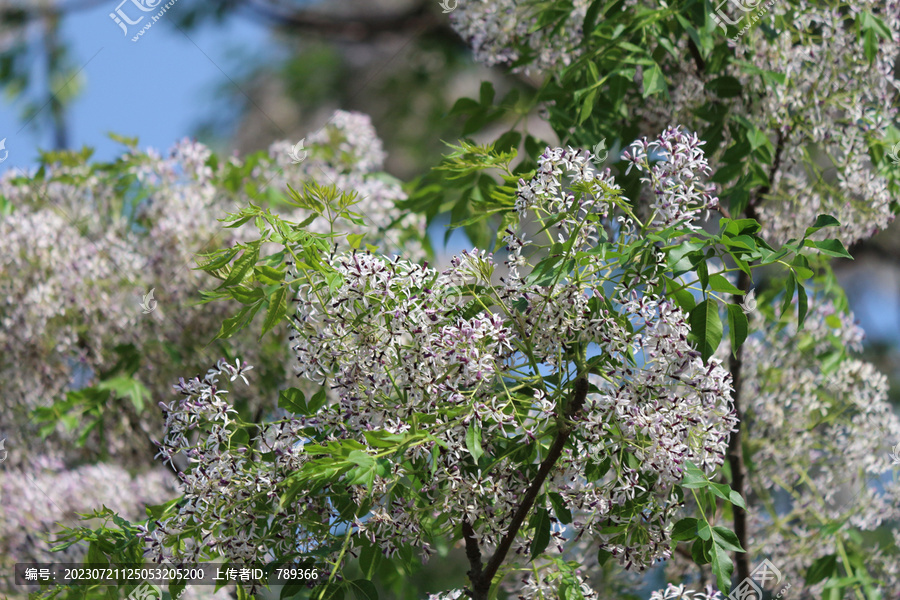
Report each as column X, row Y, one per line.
column 356, row 28
column 735, row 449
column 472, row 551
column 481, row 583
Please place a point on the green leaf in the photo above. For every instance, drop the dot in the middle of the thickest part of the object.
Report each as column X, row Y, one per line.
column 738, row 326
column 267, row 275
column 242, row 266
column 355, row 239
column 700, row 552
column 718, row 283
column 473, row 440
column 508, row 141
column 245, row 295
column 821, row 569
column 292, row 400
column 822, row 221
column 722, row 567
column 95, row 554
column 721, row 490
column 802, row 304
column 316, row 402
column 603, row 556
column 725, row 87
column 329, row 591
column 234, row 324
column 727, row 539
column 694, row 478
column 654, row 81
column 559, row 508
column 704, row 531
column 277, row 309
column 363, row 589
column 540, row 521
column 685, row 530
column 706, row 327
column 832, row 248
column 790, row 285
column 487, row 92
column 736, row 499
column 369, row 559
column 126, row 387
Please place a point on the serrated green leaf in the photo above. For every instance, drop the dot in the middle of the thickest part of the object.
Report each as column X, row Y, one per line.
column 277, row 309
column 268, row 275
column 242, row 266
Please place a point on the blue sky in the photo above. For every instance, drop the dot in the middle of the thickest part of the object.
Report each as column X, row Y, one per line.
column 157, row 89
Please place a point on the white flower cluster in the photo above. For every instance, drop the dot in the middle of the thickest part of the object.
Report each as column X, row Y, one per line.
column 502, row 32
column 84, row 242
column 406, row 349
column 63, row 299
column 828, row 439
column 217, row 474
column 820, row 103
column 808, row 85
column 675, row 182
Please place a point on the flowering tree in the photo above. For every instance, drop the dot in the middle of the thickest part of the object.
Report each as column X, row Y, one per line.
column 612, row 387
